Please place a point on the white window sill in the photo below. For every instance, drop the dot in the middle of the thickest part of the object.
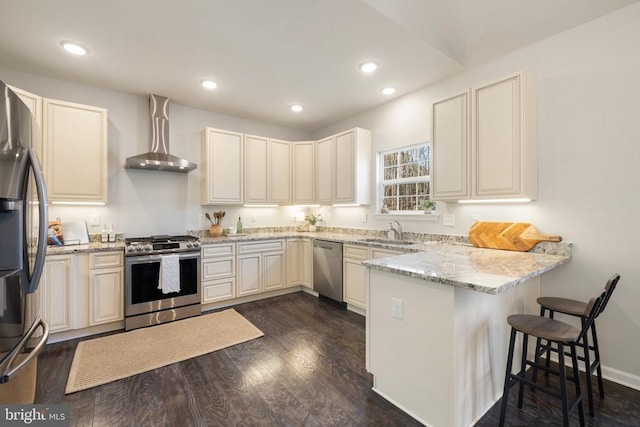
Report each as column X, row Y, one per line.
column 409, row 216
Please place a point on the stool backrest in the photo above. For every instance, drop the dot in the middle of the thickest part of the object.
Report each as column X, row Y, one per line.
column 590, row 313
column 608, row 289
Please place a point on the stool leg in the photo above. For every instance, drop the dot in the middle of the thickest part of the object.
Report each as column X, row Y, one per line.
column 547, row 362
column 563, row 385
column 596, row 351
column 587, row 369
column 534, row 378
column 507, row 378
column 576, row 380
column 523, row 372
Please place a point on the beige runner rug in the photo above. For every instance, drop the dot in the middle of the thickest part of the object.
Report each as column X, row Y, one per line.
column 103, row 360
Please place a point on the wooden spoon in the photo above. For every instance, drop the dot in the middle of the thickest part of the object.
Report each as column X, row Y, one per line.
column 209, row 218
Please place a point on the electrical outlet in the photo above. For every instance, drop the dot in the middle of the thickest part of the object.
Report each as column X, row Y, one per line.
column 95, row 220
column 397, row 308
column 449, row 220
column 364, row 217
column 253, row 218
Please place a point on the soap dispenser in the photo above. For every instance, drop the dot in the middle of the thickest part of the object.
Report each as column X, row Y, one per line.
column 104, row 234
column 112, row 234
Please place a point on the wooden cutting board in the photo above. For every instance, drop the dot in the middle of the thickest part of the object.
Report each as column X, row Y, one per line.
column 511, row 236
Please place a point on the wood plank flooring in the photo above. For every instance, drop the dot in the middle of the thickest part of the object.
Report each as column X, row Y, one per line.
column 308, row 370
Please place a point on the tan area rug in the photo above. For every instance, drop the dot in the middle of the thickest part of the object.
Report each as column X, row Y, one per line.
column 114, row 357
column 22, row 387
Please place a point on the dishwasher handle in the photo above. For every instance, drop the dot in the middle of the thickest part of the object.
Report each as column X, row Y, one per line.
column 324, row 244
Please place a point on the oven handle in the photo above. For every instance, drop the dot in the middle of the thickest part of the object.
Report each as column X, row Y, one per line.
column 157, row 258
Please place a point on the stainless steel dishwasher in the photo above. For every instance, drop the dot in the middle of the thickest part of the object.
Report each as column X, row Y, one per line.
column 327, row 269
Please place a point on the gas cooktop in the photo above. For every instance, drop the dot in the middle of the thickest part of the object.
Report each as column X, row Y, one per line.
column 160, row 244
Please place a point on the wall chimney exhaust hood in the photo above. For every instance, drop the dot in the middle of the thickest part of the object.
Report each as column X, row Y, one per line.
column 158, row 158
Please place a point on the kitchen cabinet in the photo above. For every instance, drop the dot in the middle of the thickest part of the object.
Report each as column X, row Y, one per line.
column 343, row 168
column 261, row 266
column 74, row 145
column 58, row 284
column 106, row 287
column 34, row 103
column 451, row 148
column 300, row 262
column 218, row 272
column 303, row 172
column 267, row 171
column 484, row 142
column 355, row 278
column 222, row 177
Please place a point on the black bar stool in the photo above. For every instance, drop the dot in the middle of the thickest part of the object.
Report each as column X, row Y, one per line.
column 555, row 332
column 577, row 308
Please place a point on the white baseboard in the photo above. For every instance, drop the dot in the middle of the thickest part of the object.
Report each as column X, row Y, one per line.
column 251, row 298
column 611, row 374
column 397, row 405
column 85, row 332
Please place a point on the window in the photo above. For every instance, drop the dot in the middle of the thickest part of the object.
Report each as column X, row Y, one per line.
column 405, row 177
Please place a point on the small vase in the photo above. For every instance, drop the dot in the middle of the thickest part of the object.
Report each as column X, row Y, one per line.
column 215, row 230
column 312, row 228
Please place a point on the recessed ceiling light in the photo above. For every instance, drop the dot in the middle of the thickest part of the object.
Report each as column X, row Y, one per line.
column 296, row 108
column 368, row 67
column 209, row 84
column 388, row 90
column 74, row 48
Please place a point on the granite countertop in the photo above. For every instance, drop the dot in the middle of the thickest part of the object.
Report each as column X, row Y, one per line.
column 90, row 247
column 490, row 271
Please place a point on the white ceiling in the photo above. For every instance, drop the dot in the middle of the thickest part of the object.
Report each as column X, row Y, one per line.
column 269, row 54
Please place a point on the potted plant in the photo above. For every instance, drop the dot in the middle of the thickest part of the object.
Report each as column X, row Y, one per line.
column 428, row 206
column 312, row 219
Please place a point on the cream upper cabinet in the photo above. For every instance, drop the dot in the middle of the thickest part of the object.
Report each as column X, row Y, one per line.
column 303, row 172
column 343, row 168
column 450, row 148
column 75, row 152
column 222, row 167
column 279, row 172
column 325, row 175
column 256, row 166
column 485, row 142
column 504, row 146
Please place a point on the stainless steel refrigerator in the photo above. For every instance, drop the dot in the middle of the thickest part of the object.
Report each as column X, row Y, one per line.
column 23, row 238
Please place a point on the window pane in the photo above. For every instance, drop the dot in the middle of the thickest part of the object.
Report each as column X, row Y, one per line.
column 390, row 173
column 407, row 189
column 391, row 203
column 390, row 190
column 409, row 164
column 390, row 159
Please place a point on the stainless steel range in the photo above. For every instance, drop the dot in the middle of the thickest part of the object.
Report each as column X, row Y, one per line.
column 162, row 279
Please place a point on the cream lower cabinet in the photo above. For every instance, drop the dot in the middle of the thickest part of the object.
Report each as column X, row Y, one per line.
column 75, row 152
column 106, row 287
column 261, row 266
column 300, row 262
column 218, row 272
column 58, row 291
column 354, row 273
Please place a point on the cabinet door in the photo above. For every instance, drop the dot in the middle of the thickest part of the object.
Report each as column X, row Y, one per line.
column 355, row 282
column 450, row 148
column 58, row 287
column 222, row 167
column 279, row 172
column 106, row 294
column 34, row 103
column 307, row 263
column 293, row 262
column 256, row 187
column 345, row 169
column 325, row 164
column 274, row 271
column 249, row 274
column 218, row 290
column 75, row 145
column 303, row 166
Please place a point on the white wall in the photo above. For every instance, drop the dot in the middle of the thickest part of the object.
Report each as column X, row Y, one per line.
column 149, row 202
column 589, row 157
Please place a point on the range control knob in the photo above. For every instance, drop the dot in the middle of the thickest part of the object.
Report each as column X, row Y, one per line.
column 148, row 247
column 196, row 243
column 189, row 244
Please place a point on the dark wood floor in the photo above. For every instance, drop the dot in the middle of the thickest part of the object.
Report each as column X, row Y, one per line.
column 308, row 369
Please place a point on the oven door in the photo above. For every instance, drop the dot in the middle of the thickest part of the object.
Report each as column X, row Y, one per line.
column 141, row 284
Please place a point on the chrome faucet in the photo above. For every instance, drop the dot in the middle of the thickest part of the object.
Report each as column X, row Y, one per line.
column 396, row 230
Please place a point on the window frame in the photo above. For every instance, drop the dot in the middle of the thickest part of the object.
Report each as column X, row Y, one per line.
column 381, row 182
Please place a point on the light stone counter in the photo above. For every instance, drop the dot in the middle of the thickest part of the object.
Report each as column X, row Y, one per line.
column 486, row 270
column 90, row 247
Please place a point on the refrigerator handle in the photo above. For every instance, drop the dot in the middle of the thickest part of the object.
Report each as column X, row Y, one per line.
column 7, row 369
column 44, row 224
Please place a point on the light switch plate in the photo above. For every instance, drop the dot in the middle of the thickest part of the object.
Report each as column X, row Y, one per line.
column 449, row 220
column 397, row 308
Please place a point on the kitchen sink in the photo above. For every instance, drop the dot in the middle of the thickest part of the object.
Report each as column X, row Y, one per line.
column 389, row 241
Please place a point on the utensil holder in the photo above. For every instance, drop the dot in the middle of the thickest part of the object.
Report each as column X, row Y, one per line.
column 215, row 230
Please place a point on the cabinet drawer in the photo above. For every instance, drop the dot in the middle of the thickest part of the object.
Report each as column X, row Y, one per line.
column 218, row 290
column 356, row 252
column 264, row 246
column 218, row 268
column 222, row 249
column 105, row 259
column 381, row 253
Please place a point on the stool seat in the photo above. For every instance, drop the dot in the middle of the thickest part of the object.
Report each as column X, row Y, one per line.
column 563, row 305
column 544, row 327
